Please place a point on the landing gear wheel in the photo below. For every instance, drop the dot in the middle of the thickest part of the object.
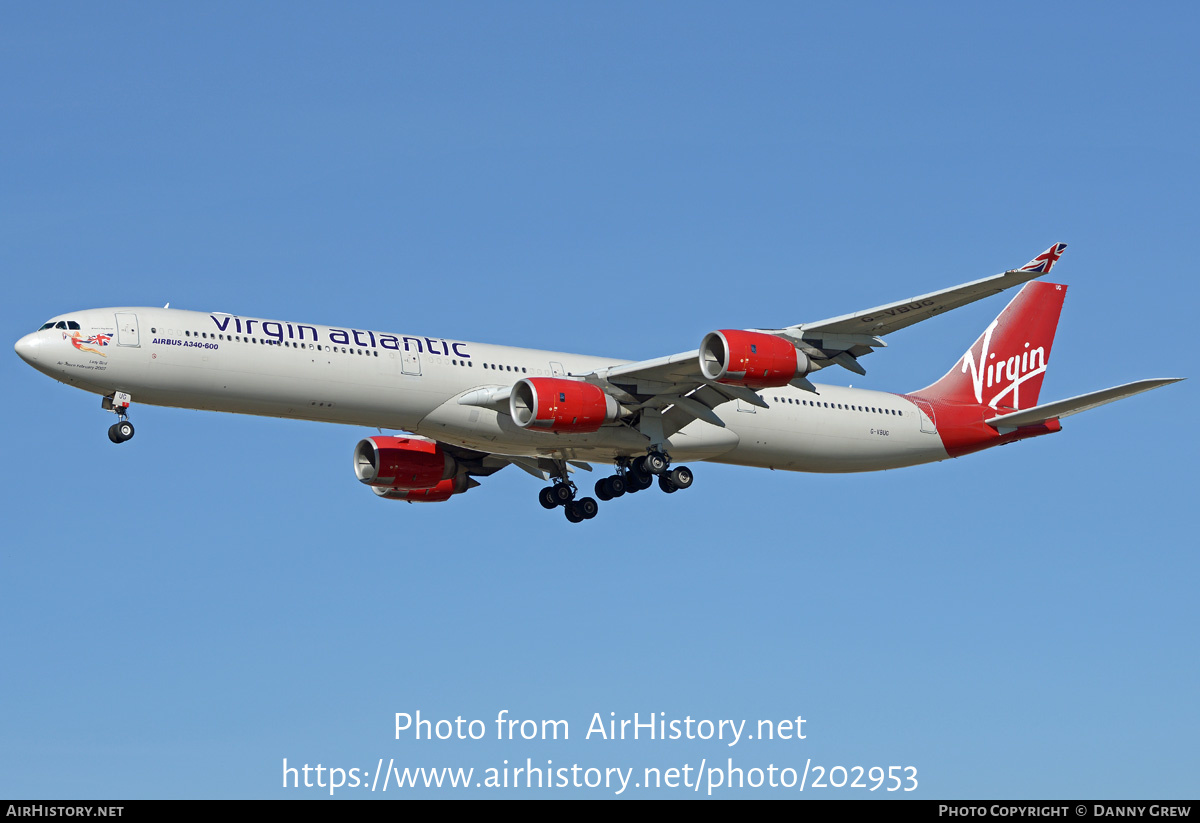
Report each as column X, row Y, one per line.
column 604, row 488
column 120, row 432
column 546, row 498
column 638, row 477
column 587, row 507
column 573, row 513
column 664, row 483
column 681, row 477
column 616, row 485
column 655, row 462
column 563, row 494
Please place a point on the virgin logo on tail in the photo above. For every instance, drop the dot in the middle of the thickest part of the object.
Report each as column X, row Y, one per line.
column 1005, row 365
column 1016, row 369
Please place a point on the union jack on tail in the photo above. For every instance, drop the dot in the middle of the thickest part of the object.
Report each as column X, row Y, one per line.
column 1046, row 260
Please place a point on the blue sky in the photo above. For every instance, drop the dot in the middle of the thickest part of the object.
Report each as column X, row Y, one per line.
column 185, row 611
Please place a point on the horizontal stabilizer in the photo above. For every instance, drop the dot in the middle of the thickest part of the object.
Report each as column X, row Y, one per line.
column 1073, row 405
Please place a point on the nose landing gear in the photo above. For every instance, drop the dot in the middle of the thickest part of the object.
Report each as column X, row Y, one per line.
column 118, row 404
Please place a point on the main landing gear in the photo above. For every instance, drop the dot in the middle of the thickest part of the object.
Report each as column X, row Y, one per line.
column 562, row 493
column 118, row 403
column 658, row 464
column 632, row 476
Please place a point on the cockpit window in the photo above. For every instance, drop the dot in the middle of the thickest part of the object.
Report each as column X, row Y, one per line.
column 71, row 324
column 60, row 325
column 45, row 326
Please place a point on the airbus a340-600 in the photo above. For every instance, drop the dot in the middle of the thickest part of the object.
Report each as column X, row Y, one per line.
column 466, row 410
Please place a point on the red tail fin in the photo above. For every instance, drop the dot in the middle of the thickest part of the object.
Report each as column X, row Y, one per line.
column 1005, row 367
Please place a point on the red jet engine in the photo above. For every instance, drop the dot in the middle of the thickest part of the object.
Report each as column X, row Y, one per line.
column 751, row 359
column 551, row 404
column 402, row 463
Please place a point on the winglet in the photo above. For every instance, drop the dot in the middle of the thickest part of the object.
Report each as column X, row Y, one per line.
column 1046, row 260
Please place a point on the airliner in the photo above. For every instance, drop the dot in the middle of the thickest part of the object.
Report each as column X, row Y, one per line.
column 461, row 411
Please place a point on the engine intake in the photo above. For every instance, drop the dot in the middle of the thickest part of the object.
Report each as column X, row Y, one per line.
column 552, row 404
column 751, row 359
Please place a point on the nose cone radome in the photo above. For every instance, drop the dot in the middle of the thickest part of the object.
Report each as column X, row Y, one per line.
column 27, row 347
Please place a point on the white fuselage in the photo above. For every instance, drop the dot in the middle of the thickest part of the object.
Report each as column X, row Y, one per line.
column 221, row 362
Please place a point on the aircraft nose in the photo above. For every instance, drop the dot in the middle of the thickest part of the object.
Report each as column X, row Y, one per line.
column 27, row 347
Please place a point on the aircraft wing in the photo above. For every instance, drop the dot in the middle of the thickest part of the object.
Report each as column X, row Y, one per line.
column 901, row 314
column 859, row 333
column 677, row 381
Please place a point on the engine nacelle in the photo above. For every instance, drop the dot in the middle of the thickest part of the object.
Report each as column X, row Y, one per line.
column 402, row 463
column 434, row 494
column 751, row 359
column 552, row 404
